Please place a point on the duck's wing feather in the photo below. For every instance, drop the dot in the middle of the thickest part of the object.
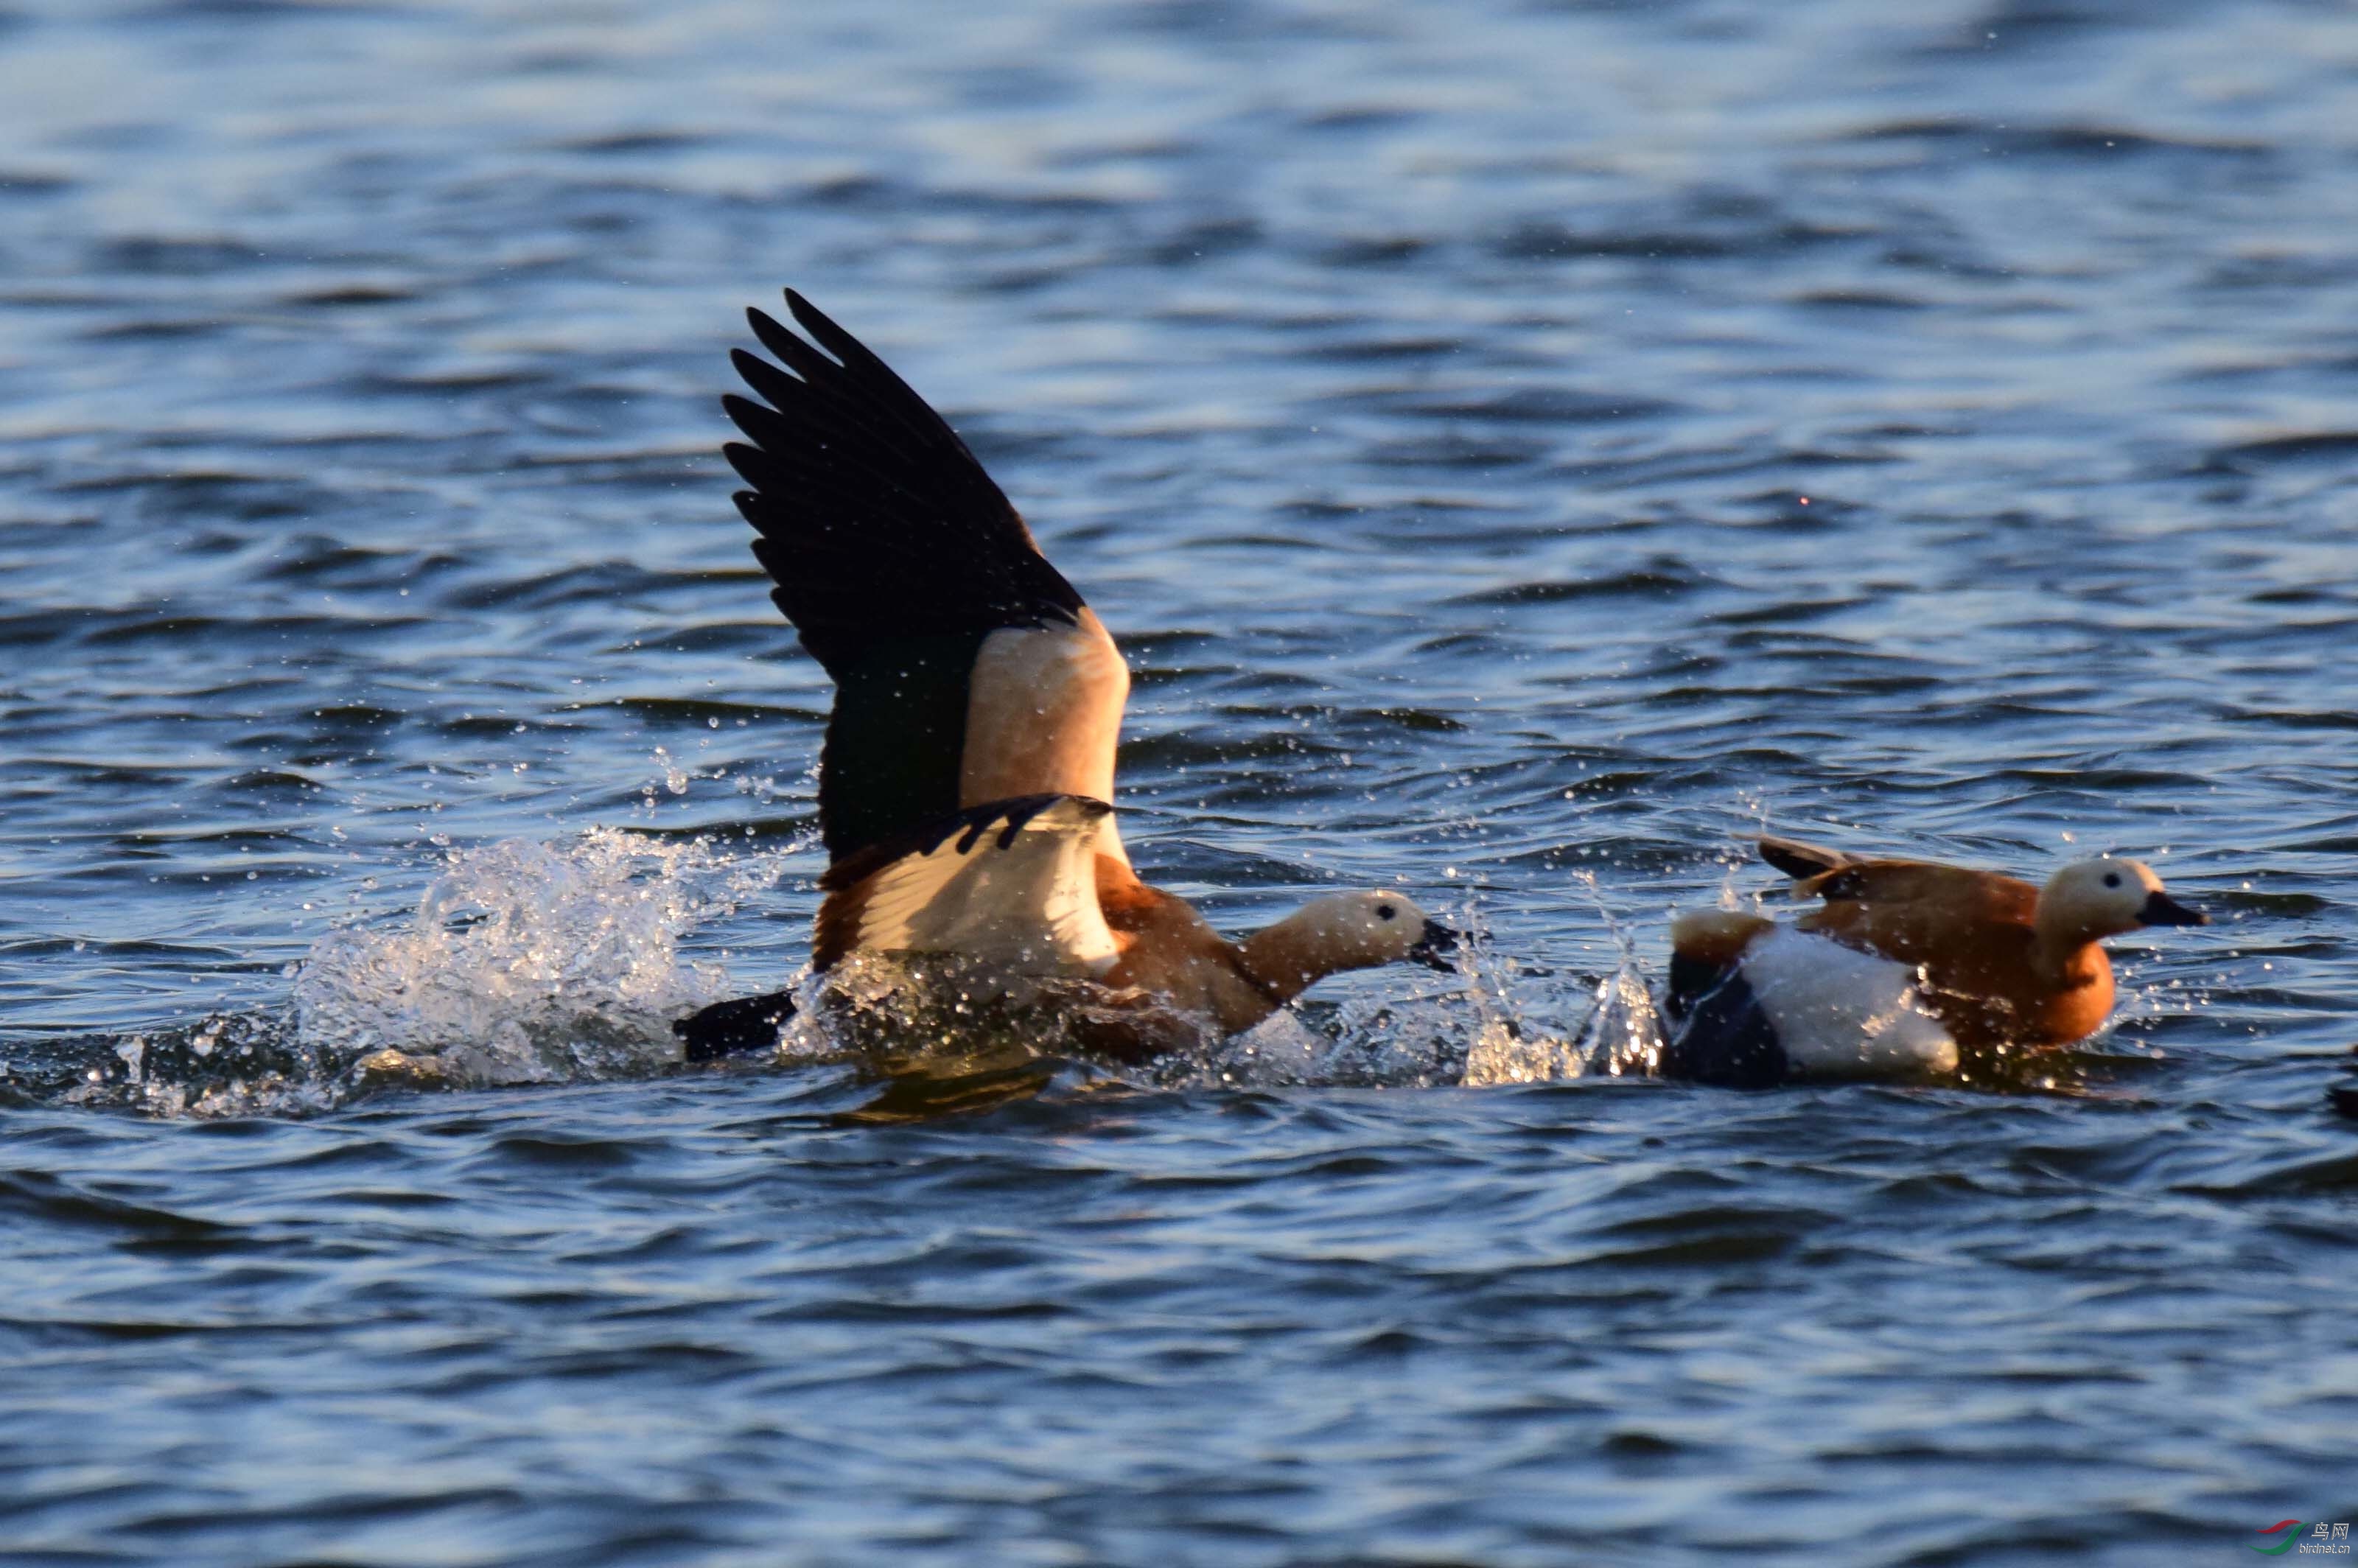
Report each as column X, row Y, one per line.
column 1010, row 883
column 966, row 668
column 1946, row 891
column 1839, row 877
column 1919, row 913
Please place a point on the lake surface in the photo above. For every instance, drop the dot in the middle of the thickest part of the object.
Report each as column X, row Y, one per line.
column 1522, row 448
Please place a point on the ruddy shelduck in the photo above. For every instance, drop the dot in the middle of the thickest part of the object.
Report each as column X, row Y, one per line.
column 966, row 775
column 1905, row 965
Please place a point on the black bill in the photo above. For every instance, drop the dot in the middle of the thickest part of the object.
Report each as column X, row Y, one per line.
column 2160, row 909
column 1438, row 946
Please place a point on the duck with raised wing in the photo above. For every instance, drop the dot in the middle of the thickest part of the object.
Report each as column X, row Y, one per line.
column 1904, row 965
column 967, row 776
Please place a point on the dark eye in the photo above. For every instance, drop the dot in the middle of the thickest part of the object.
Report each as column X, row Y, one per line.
column 1385, row 912
column 2112, row 879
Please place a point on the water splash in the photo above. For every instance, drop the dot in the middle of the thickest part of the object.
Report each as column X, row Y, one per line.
column 222, row 1064
column 1621, row 1035
column 528, row 962
column 525, row 962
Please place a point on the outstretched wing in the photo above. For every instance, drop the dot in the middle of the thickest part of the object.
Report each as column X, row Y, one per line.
column 966, row 668
column 1010, row 883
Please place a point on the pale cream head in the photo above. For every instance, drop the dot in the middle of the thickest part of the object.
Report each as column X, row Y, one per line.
column 2089, row 899
column 1348, row 930
column 1360, row 930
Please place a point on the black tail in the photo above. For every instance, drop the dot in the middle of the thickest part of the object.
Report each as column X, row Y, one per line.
column 1801, row 860
column 735, row 1028
column 1727, row 1040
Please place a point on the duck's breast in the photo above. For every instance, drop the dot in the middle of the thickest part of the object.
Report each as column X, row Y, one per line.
column 1169, row 950
column 2079, row 1004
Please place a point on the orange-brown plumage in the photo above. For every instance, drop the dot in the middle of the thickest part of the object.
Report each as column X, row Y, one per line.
column 1975, row 938
column 1902, row 967
column 1169, row 950
column 2002, row 960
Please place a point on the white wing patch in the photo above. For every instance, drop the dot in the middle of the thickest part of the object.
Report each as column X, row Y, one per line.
column 1842, row 1013
column 1022, row 896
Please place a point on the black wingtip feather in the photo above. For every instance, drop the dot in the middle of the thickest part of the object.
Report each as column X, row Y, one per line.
column 748, row 417
column 885, row 525
column 766, row 379
column 822, row 326
column 895, row 555
column 846, row 348
column 747, row 462
column 800, row 357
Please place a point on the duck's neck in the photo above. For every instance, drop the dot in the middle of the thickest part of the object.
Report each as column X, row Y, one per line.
column 1282, row 960
column 2064, row 953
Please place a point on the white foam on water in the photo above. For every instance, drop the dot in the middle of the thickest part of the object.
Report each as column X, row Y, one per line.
column 528, row 962
column 1280, row 1050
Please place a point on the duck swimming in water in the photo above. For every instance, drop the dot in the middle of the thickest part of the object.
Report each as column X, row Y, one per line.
column 1904, row 965
column 967, row 776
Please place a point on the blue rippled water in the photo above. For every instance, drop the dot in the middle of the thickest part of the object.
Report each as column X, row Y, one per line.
column 1522, row 447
